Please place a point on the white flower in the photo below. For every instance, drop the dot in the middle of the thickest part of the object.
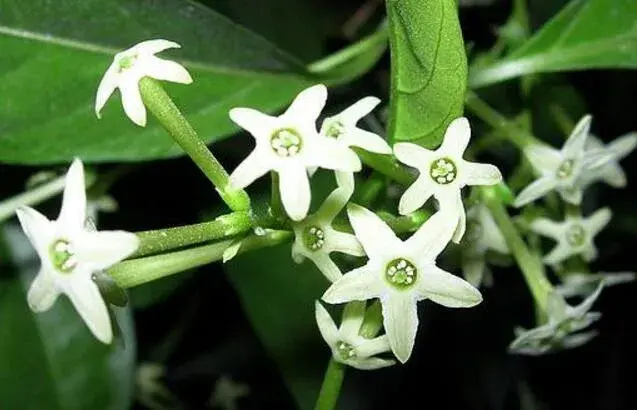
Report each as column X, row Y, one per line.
column 227, row 393
column 583, row 284
column 70, row 253
column 482, row 235
column 315, row 238
column 400, row 273
column 573, row 236
column 290, row 145
column 129, row 67
column 343, row 128
column 559, row 331
column 562, row 170
column 347, row 345
column 611, row 172
column 443, row 173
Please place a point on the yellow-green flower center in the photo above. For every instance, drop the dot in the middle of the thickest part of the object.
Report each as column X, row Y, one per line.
column 576, row 235
column 401, row 273
column 62, row 256
column 443, row 171
column 126, row 61
column 565, row 169
column 345, row 350
column 335, row 129
column 313, row 238
column 286, row 142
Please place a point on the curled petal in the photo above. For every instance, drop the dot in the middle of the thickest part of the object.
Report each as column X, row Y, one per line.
column 326, row 325
column 150, row 47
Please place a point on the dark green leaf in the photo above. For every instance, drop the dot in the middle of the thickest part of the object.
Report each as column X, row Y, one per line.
column 51, row 360
column 429, row 69
column 54, row 55
column 586, row 34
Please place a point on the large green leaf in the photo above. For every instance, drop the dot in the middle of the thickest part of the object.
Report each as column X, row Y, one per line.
column 586, row 34
column 54, row 54
column 429, row 69
column 51, row 360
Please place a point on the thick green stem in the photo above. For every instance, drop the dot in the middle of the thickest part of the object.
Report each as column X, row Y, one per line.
column 161, row 105
column 386, row 165
column 135, row 272
column 161, row 240
column 331, row 388
column 529, row 263
column 517, row 136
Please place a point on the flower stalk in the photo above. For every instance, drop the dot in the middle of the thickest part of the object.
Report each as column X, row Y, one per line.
column 331, row 387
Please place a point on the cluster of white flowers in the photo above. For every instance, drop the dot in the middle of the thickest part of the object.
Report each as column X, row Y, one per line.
column 582, row 161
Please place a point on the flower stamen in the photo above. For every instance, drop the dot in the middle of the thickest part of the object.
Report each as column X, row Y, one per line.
column 576, row 235
column 313, row 238
column 345, row 350
column 401, row 273
column 62, row 256
column 286, row 142
column 443, row 171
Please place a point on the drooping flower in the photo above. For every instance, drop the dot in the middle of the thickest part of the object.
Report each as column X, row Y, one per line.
column 610, row 172
column 290, row 145
column 443, row 173
column 347, row 345
column 129, row 67
column 562, row 170
column 343, row 128
column 70, row 253
column 400, row 273
column 482, row 235
column 573, row 236
column 315, row 238
column 559, row 332
column 583, row 284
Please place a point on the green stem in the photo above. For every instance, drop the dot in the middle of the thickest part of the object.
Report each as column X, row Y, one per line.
column 331, row 387
column 373, row 321
column 529, row 263
column 135, row 272
column 161, row 240
column 161, row 105
column 369, row 190
column 509, row 129
column 386, row 165
column 276, row 206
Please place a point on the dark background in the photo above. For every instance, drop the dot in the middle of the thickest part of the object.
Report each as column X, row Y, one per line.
column 460, row 359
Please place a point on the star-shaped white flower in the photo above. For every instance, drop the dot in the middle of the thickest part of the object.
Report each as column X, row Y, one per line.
column 400, row 273
column 129, row 67
column 343, row 128
column 583, row 284
column 562, row 170
column 559, row 331
column 70, row 253
column 611, row 172
column 443, row 173
column 482, row 235
column 573, row 236
column 315, row 238
column 347, row 345
column 290, row 145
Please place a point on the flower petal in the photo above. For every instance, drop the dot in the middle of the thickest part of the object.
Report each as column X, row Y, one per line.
column 400, row 318
column 372, row 347
column 543, row 158
column 576, row 142
column 132, row 100
column 73, row 212
column 249, row 170
column 353, row 315
column 461, row 225
column 598, row 221
column 166, row 70
column 326, row 324
column 480, row 174
column 255, row 122
column 333, row 204
column 577, row 340
column 100, row 250
column 307, row 105
column 535, row 190
column 38, row 229
column 446, row 289
column 345, row 243
column 413, row 155
column 328, row 153
column 371, row 363
column 432, row 237
column 88, row 302
column 366, row 140
column 294, row 187
column 456, row 138
column 345, row 180
column 373, row 233
column 473, row 270
column 42, row 293
column 326, row 265
column 352, row 114
column 359, row 284
column 613, row 175
column 547, row 227
column 415, row 196
column 556, row 307
column 623, row 145
column 558, row 254
column 586, row 305
column 572, row 195
column 150, row 47
column 105, row 89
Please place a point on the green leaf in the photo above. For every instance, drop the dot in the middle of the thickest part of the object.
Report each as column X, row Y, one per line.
column 586, row 34
column 51, row 360
column 429, row 69
column 52, row 61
